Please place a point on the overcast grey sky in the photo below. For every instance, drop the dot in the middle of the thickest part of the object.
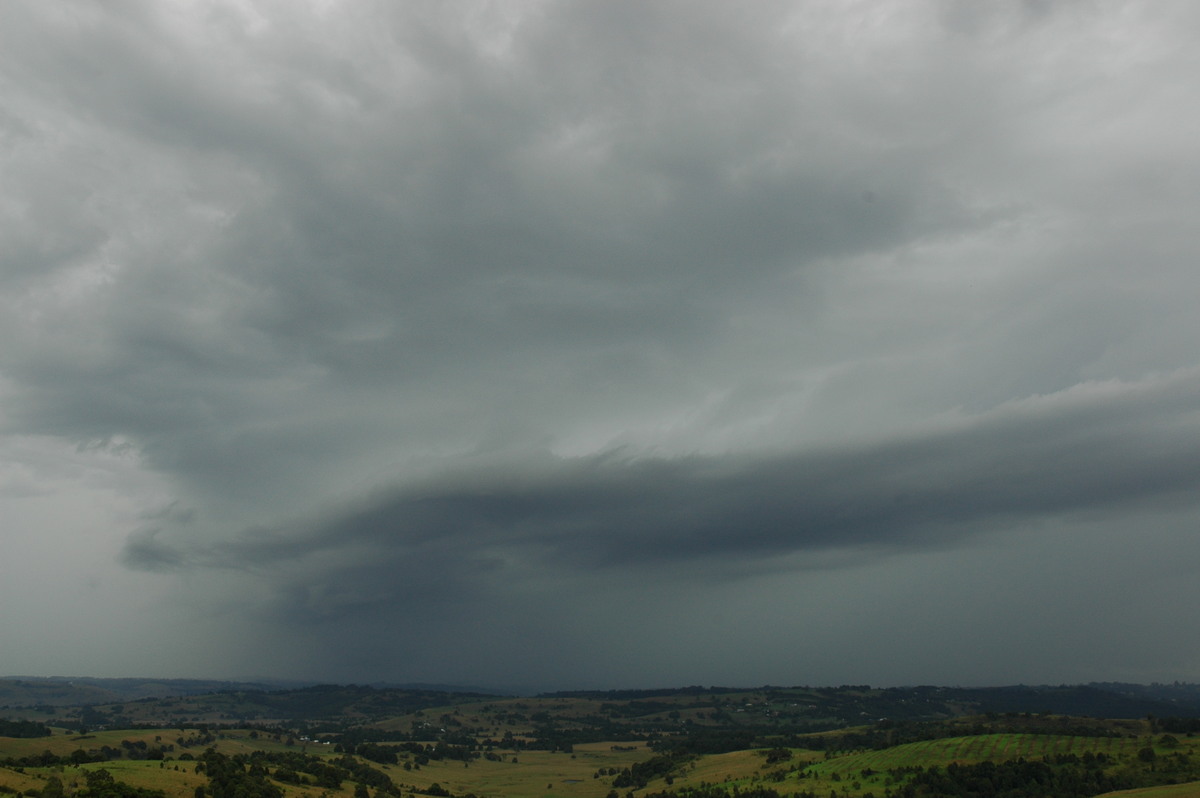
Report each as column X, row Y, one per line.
column 601, row 344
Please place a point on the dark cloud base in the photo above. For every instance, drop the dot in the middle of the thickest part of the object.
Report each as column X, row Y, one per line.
column 1101, row 448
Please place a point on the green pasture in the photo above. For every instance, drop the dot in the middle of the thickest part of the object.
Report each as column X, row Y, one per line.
column 869, row 769
column 859, row 772
column 142, row 773
column 1189, row 790
column 20, row 782
column 176, row 777
column 542, row 774
column 64, row 744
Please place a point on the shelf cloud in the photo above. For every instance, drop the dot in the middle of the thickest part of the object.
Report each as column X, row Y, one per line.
column 601, row 344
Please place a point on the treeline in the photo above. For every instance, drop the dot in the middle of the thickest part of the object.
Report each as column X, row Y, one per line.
column 1061, row 776
column 886, row 734
column 639, row 774
column 130, row 749
column 465, row 749
column 545, row 736
column 710, row 740
column 233, row 777
column 550, row 738
column 99, row 784
column 23, row 728
column 246, row 775
column 638, row 709
column 1015, row 779
column 635, row 695
column 421, row 753
column 1178, row 725
column 717, row 791
column 330, row 701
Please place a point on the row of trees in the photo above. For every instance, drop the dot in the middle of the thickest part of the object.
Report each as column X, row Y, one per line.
column 231, row 777
column 1017, row 779
column 99, row 784
column 130, row 749
column 23, row 728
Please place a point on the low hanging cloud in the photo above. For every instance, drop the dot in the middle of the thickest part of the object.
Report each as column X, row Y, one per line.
column 1097, row 448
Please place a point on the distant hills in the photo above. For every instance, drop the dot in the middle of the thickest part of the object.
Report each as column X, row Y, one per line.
column 844, row 705
column 86, row 691
column 62, row 691
column 1098, row 700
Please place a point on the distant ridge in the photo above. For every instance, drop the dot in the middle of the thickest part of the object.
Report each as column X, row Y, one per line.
column 659, row 692
column 267, row 698
column 1098, row 699
column 440, row 688
column 57, row 691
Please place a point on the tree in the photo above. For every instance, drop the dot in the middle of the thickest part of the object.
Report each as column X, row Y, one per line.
column 53, row 788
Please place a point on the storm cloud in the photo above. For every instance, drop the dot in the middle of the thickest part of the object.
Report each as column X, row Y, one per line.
column 398, row 341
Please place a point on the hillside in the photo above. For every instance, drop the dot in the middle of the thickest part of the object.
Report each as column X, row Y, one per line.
column 347, row 741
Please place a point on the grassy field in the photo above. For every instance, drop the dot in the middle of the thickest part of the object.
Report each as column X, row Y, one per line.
column 176, row 778
column 737, row 767
column 969, row 750
column 523, row 774
column 1189, row 790
column 535, row 773
column 857, row 773
column 227, row 742
column 584, row 772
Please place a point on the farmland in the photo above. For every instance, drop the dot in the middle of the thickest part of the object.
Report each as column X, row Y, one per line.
column 331, row 741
